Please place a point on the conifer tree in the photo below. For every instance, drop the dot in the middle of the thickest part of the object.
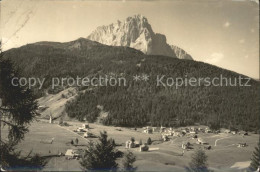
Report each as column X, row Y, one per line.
column 149, row 141
column 17, row 110
column 199, row 162
column 128, row 161
column 255, row 158
column 102, row 155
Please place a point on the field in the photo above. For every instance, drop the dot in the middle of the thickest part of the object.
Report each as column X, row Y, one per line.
column 164, row 156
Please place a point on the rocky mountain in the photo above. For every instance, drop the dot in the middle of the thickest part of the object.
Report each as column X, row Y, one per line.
column 136, row 32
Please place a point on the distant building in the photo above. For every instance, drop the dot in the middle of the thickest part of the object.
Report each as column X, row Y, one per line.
column 227, row 131
column 148, row 130
column 156, row 129
column 207, row 130
column 162, row 129
column 88, row 134
column 165, row 137
column 242, row 144
column 234, row 132
column 81, row 130
column 201, row 141
column 186, row 145
column 85, row 126
column 184, row 131
column 129, row 144
column 71, row 153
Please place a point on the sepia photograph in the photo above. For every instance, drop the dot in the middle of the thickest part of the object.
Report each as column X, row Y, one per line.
column 129, row 85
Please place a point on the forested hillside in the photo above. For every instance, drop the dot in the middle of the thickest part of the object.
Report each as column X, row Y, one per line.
column 140, row 103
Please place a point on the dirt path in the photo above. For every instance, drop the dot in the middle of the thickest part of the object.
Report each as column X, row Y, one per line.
column 220, row 139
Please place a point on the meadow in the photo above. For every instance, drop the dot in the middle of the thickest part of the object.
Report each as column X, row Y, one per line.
column 163, row 156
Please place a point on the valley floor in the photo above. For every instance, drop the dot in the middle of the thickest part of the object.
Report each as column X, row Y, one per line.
column 163, row 156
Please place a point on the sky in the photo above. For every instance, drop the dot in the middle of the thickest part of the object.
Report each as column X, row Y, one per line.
column 220, row 32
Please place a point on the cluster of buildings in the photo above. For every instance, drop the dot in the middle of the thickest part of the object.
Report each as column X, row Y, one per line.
column 86, row 129
column 133, row 144
column 171, row 132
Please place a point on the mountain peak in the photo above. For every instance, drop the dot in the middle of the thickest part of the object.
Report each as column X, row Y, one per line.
column 136, row 32
column 138, row 17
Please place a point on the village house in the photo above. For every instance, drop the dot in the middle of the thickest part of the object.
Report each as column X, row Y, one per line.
column 176, row 133
column 201, row 141
column 163, row 129
column 227, row 131
column 85, row 126
column 165, row 137
column 81, row 130
column 186, row 145
column 88, row 135
column 170, row 129
column 184, row 131
column 242, row 145
column 193, row 132
column 207, row 130
column 71, row 154
column 234, row 132
column 129, row 144
column 148, row 130
column 202, row 130
column 156, row 129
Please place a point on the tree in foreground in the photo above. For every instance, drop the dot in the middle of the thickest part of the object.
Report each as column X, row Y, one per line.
column 17, row 110
column 101, row 155
column 128, row 161
column 149, row 141
column 198, row 162
column 255, row 158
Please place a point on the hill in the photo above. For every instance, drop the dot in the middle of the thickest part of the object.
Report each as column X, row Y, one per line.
column 139, row 103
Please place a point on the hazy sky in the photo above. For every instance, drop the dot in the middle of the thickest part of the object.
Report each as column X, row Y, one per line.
column 220, row 32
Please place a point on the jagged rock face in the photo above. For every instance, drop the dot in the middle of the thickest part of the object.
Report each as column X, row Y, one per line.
column 136, row 32
column 180, row 53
